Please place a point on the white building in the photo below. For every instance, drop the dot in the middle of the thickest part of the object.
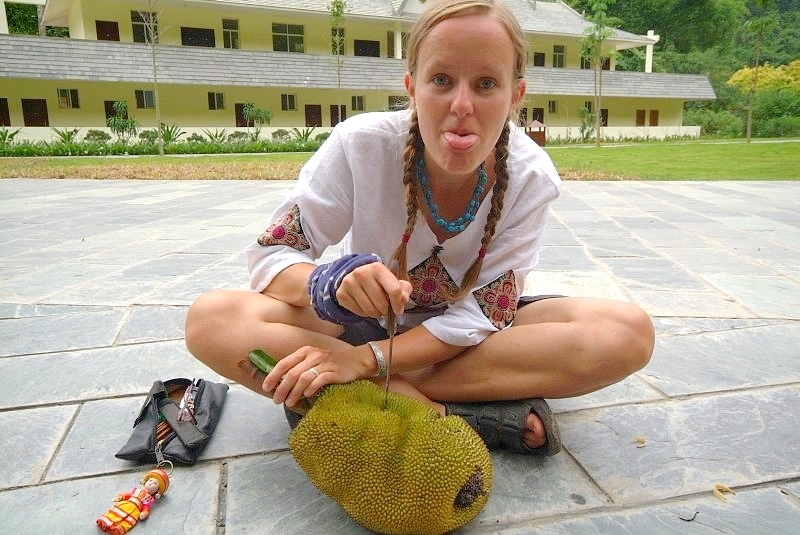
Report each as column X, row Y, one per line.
column 214, row 56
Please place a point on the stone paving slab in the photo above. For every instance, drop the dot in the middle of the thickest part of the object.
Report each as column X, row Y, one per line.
column 522, row 489
column 30, row 439
column 740, row 357
column 92, row 311
column 772, row 510
column 737, row 439
column 45, row 334
column 72, row 506
column 77, row 376
column 249, row 425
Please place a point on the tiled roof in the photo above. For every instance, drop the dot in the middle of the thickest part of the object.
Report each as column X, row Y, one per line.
column 29, row 57
column 544, row 81
column 369, row 8
column 535, row 16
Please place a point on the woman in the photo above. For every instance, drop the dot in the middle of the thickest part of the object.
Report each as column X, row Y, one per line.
column 454, row 197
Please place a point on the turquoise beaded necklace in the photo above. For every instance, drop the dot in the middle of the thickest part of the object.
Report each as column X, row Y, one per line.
column 459, row 224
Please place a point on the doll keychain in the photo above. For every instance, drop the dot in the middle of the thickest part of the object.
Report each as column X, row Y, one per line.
column 130, row 507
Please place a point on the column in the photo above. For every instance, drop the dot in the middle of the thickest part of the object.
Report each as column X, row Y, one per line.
column 648, row 60
column 3, row 19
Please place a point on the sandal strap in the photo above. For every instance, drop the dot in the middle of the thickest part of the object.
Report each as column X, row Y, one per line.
column 500, row 423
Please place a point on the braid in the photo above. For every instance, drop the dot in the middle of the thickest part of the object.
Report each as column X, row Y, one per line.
column 410, row 155
column 498, row 193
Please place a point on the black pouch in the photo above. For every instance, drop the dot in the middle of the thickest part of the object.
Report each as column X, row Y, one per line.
column 176, row 421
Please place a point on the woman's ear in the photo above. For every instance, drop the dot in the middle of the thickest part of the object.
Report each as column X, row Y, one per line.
column 408, row 81
column 519, row 92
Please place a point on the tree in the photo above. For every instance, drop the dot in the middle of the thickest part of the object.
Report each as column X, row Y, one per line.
column 26, row 19
column 337, row 9
column 761, row 22
column 153, row 34
column 685, row 24
column 22, row 19
column 123, row 126
column 593, row 47
column 769, row 77
column 258, row 116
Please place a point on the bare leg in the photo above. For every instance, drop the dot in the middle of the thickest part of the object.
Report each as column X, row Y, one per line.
column 556, row 348
column 223, row 326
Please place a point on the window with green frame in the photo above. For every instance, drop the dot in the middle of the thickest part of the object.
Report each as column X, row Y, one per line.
column 288, row 38
column 68, row 98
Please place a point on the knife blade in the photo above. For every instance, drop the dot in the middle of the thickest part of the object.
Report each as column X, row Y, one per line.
column 391, row 329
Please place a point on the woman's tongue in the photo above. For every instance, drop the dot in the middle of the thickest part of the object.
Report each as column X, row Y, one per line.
column 460, row 141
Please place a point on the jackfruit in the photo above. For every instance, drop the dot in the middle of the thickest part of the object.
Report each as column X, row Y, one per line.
column 400, row 470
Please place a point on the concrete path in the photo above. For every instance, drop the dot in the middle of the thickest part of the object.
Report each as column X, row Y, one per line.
column 96, row 277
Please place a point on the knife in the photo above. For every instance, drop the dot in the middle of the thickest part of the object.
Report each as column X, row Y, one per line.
column 391, row 328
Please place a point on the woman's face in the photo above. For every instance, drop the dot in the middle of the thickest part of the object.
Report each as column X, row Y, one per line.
column 463, row 90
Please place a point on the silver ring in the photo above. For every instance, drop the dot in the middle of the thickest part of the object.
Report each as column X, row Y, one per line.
column 314, row 371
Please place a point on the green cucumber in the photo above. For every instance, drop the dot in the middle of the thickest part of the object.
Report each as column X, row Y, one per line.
column 262, row 361
column 265, row 363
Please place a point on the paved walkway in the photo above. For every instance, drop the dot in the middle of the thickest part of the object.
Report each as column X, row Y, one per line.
column 96, row 277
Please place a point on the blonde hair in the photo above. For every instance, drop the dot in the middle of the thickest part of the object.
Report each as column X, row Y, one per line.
column 438, row 12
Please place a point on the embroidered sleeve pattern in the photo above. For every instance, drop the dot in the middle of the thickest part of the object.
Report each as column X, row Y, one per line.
column 286, row 230
column 431, row 283
column 498, row 300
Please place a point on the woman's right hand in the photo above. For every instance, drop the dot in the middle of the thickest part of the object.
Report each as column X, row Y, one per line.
column 369, row 290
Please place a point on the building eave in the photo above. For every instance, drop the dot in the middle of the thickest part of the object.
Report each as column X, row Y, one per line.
column 46, row 58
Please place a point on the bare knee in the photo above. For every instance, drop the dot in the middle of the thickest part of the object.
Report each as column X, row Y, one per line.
column 206, row 316
column 636, row 337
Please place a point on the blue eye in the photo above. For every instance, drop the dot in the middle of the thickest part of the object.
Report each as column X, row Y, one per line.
column 487, row 83
column 440, row 79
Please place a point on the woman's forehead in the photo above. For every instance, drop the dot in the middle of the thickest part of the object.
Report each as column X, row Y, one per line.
column 474, row 38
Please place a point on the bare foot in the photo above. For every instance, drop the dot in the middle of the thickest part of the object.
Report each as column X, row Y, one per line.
column 534, row 434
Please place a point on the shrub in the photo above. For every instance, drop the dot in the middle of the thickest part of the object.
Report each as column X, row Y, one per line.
column 777, row 127
column 98, row 136
column 217, row 136
column 238, row 136
column 195, row 138
column 149, row 136
column 715, row 123
column 777, row 102
column 171, row 133
column 66, row 135
column 281, row 134
column 22, row 148
column 302, row 135
column 323, row 136
column 7, row 136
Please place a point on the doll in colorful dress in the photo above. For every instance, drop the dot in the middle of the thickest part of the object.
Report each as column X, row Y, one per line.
column 130, row 507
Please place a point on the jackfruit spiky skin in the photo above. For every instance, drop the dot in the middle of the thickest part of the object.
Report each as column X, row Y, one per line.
column 404, row 470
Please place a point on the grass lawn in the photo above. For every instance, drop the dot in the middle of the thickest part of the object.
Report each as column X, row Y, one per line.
column 215, row 166
column 699, row 160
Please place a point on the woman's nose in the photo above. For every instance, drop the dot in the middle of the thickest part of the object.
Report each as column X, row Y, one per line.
column 462, row 104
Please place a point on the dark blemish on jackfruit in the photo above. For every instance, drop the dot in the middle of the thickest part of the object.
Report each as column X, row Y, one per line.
column 471, row 489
